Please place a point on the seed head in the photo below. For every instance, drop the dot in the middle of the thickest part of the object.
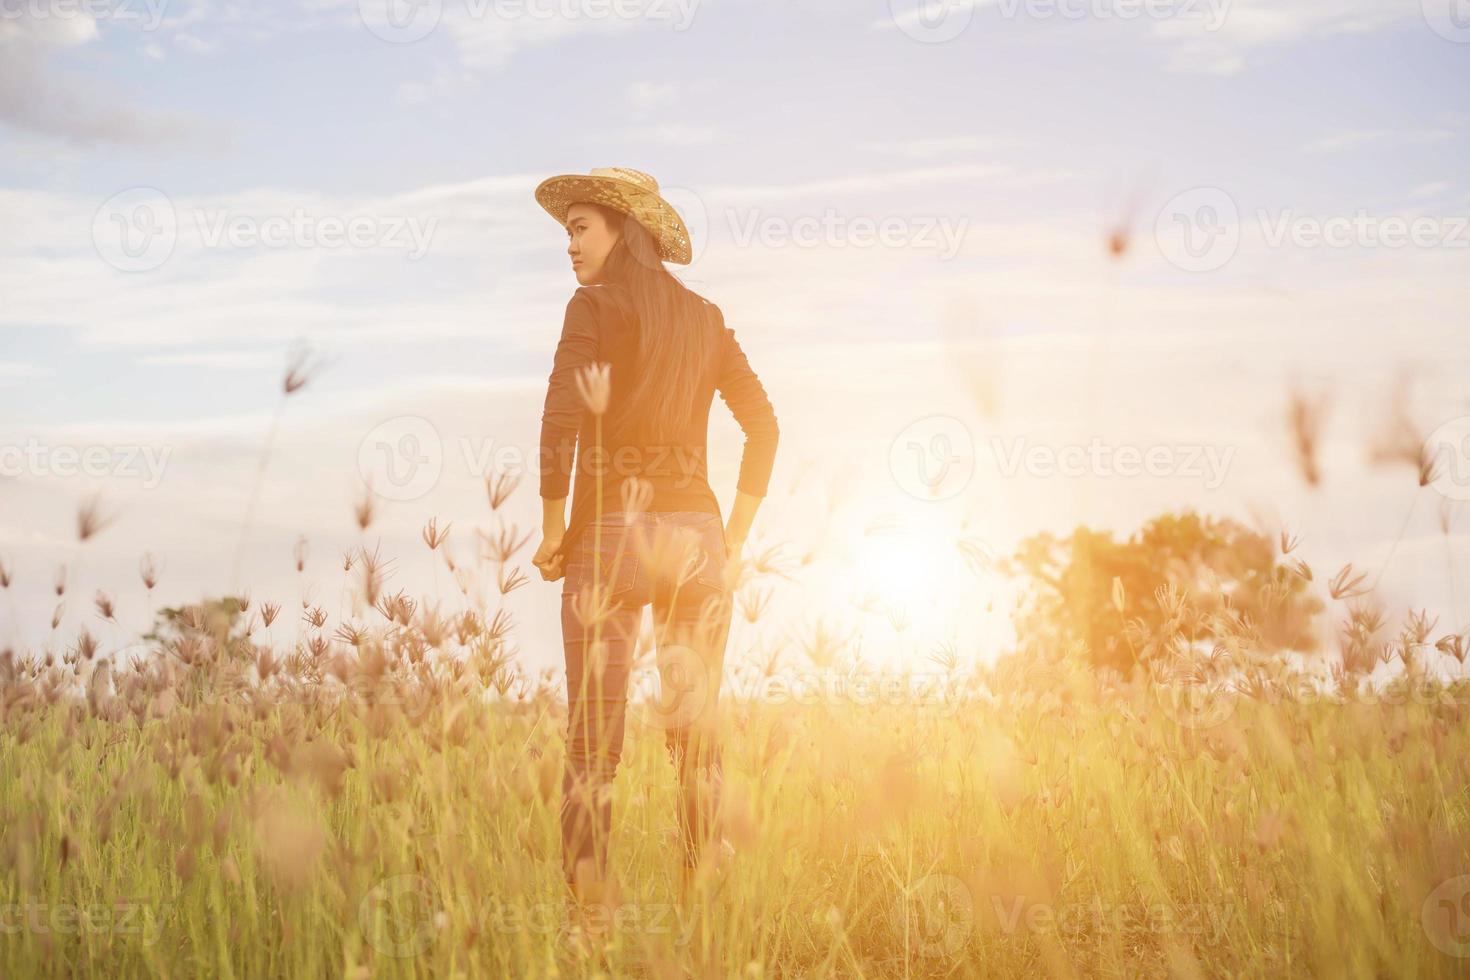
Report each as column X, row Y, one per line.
column 594, row 384
column 90, row 519
column 148, row 570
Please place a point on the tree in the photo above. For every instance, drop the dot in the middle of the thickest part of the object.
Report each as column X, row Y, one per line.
column 1181, row 580
column 221, row 621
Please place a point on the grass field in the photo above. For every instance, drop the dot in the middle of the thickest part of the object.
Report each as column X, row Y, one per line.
column 379, row 797
column 391, row 812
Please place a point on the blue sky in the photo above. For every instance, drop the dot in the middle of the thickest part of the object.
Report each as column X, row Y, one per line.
column 1314, row 106
column 1027, row 135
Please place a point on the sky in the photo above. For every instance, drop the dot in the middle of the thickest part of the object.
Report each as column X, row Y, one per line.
column 903, row 209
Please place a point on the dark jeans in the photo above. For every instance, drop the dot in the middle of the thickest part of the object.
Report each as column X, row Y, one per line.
column 676, row 561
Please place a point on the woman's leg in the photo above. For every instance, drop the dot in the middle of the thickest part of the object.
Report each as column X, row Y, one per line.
column 693, row 626
column 597, row 697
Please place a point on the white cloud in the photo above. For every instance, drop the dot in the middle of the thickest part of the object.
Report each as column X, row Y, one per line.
column 14, row 372
column 927, row 148
column 645, row 96
column 1207, row 37
column 928, row 14
column 1377, row 137
column 488, row 36
column 443, row 84
column 1219, row 42
column 1432, row 189
column 885, row 181
column 195, row 45
column 674, row 134
column 35, row 95
column 228, row 359
column 1205, row 58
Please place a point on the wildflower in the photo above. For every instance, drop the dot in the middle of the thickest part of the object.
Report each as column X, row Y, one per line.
column 148, row 570
column 594, row 384
column 363, row 509
column 299, row 370
column 636, row 495
column 432, row 536
column 1305, row 417
column 499, row 487
column 90, row 520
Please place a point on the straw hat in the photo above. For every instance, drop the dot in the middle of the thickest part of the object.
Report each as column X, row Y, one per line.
column 631, row 192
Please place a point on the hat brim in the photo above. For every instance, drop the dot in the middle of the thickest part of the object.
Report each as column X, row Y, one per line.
column 557, row 194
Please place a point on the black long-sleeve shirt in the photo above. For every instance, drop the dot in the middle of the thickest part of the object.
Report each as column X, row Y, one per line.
column 602, row 326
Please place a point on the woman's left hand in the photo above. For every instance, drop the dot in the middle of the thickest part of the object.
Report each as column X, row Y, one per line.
column 547, row 559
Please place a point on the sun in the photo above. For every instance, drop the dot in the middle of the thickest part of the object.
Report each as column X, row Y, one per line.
column 912, row 565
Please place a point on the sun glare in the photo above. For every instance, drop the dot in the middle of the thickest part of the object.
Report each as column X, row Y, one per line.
column 911, row 566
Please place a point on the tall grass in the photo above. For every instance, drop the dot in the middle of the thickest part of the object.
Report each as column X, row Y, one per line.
column 378, row 798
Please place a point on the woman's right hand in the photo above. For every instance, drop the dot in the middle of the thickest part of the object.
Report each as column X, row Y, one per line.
column 737, row 524
column 734, row 546
column 548, row 560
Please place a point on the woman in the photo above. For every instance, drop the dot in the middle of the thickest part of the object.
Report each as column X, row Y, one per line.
column 635, row 372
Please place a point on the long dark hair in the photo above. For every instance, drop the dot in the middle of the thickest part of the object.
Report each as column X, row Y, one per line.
column 678, row 335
